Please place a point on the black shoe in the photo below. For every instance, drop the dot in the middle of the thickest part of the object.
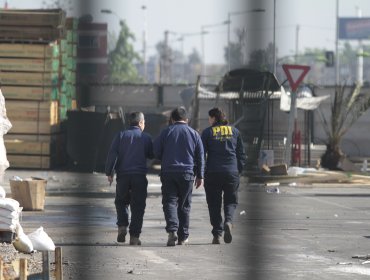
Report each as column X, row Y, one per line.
column 172, row 238
column 216, row 239
column 183, row 242
column 135, row 241
column 227, row 234
column 122, row 232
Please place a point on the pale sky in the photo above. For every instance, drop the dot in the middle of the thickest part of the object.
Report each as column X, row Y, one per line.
column 316, row 20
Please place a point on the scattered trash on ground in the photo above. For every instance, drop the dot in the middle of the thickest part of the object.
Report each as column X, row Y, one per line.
column 365, row 258
column 361, row 257
column 272, row 184
column 273, row 190
column 243, row 213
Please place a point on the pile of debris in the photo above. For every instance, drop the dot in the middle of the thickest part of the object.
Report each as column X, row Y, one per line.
column 282, row 174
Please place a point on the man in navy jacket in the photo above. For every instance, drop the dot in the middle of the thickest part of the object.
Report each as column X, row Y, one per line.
column 180, row 149
column 127, row 157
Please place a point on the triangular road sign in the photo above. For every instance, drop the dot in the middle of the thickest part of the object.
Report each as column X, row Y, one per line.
column 295, row 74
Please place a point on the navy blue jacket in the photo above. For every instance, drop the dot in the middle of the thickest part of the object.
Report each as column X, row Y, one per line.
column 128, row 153
column 224, row 148
column 180, row 149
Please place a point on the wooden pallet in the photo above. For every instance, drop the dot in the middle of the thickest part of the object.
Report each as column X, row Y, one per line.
column 29, row 64
column 30, row 93
column 29, row 79
column 27, row 147
column 31, row 33
column 32, row 137
column 54, row 18
column 36, row 111
column 29, row 50
column 36, row 150
column 29, row 161
column 32, row 127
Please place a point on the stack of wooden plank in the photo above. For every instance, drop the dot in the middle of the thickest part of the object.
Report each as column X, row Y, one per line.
column 36, row 25
column 34, row 83
column 68, row 54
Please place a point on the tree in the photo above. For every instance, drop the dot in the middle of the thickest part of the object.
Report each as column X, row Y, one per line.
column 194, row 57
column 235, row 51
column 121, row 60
column 346, row 109
column 66, row 5
column 261, row 59
column 236, row 55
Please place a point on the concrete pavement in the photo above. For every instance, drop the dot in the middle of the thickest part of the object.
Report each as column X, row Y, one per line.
column 303, row 232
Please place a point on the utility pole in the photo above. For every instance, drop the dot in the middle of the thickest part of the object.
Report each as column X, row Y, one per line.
column 336, row 47
column 360, row 57
column 296, row 43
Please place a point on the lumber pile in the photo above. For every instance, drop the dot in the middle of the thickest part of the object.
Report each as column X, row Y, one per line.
column 38, row 51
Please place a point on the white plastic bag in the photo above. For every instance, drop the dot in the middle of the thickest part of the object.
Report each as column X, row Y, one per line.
column 41, row 240
column 22, row 242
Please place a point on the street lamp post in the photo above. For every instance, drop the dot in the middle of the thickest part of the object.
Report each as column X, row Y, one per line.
column 274, row 42
column 110, row 12
column 144, row 42
column 228, row 29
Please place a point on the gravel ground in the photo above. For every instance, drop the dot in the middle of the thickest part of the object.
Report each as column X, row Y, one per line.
column 9, row 254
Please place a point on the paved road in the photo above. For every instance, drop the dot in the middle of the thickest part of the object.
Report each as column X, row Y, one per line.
column 303, row 232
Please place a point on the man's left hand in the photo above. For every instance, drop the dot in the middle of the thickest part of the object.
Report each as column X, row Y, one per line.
column 198, row 182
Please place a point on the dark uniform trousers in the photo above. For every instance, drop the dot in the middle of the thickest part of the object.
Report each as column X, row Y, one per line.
column 177, row 190
column 218, row 185
column 131, row 190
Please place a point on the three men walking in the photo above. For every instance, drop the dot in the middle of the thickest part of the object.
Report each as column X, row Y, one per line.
column 182, row 153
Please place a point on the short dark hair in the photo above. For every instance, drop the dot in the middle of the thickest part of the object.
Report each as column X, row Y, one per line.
column 219, row 115
column 136, row 118
column 179, row 114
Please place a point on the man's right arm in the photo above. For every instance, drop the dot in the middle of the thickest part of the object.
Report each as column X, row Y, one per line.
column 199, row 158
column 158, row 146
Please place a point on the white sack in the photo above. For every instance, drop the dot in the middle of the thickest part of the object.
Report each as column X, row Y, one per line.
column 5, row 125
column 41, row 240
column 22, row 242
column 7, row 227
column 6, row 213
column 2, row 192
column 9, row 203
column 9, row 221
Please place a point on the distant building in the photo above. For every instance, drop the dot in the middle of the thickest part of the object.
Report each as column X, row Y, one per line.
column 92, row 53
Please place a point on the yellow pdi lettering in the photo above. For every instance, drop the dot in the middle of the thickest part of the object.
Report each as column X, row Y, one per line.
column 222, row 130
column 215, row 129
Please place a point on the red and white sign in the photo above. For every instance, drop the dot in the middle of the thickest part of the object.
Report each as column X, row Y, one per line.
column 295, row 74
